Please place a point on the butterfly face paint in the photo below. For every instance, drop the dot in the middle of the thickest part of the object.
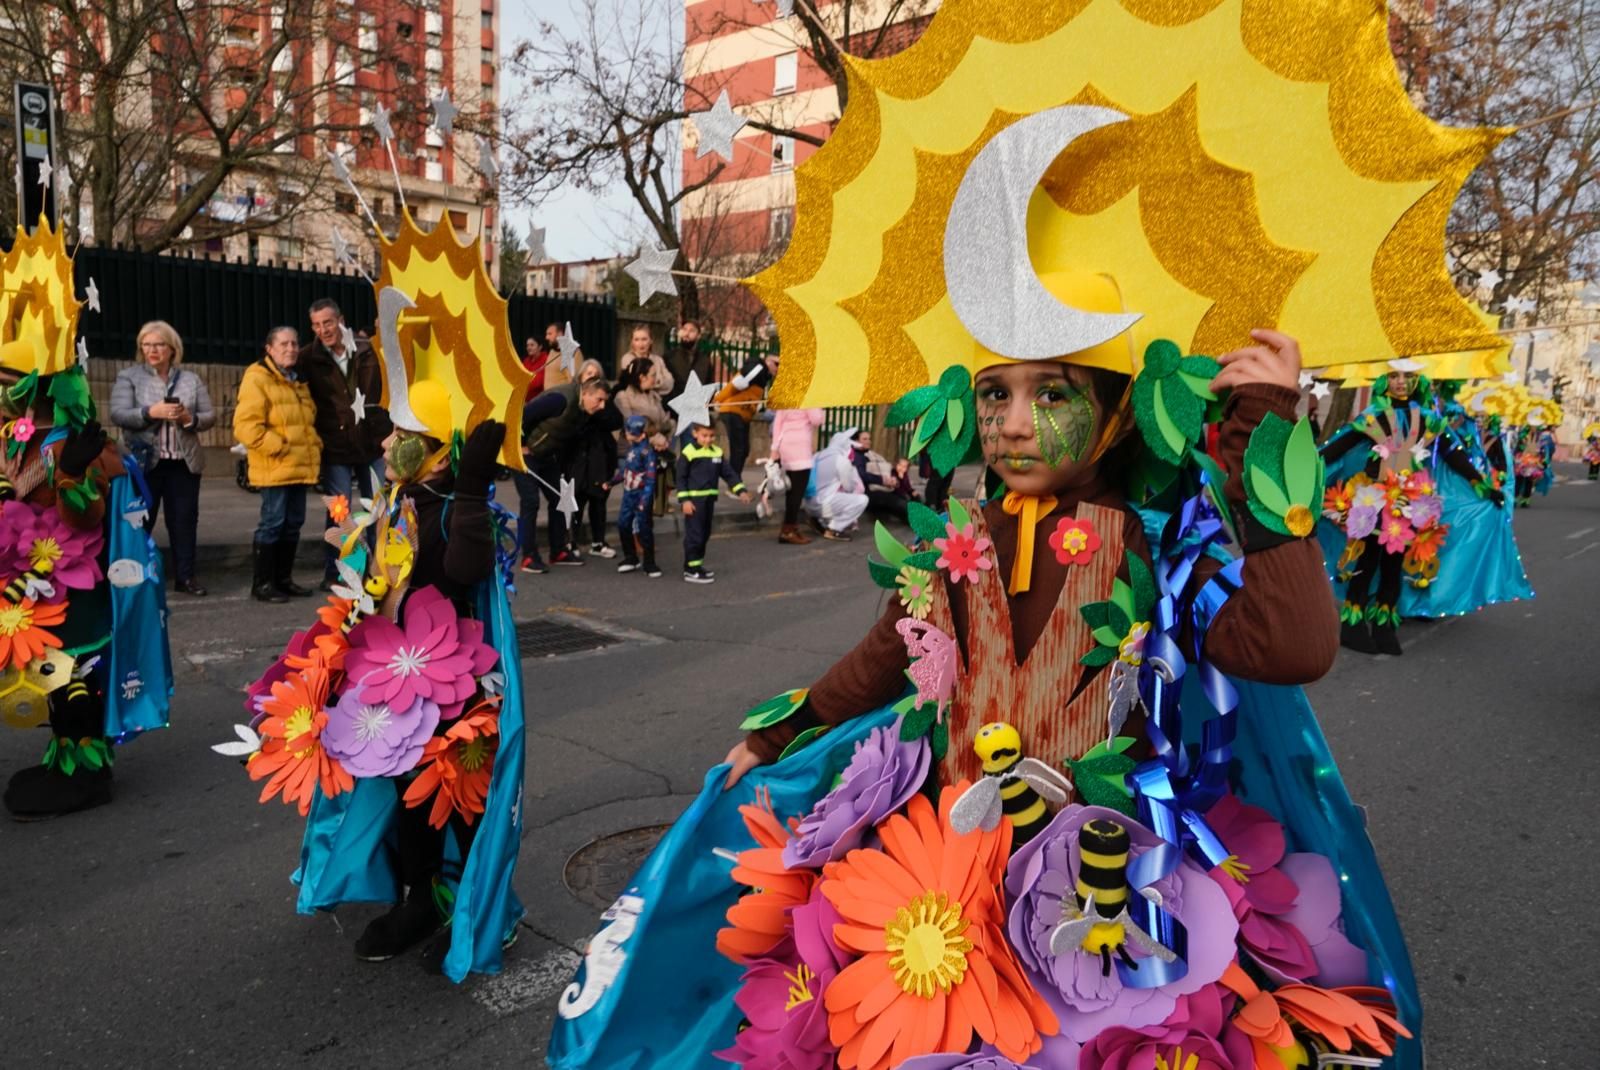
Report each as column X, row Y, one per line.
column 406, row 457
column 1063, row 422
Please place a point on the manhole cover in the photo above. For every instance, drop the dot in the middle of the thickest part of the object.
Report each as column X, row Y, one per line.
column 547, row 638
column 599, row 871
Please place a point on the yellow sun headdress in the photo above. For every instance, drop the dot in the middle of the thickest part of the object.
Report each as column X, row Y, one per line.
column 1230, row 164
column 38, row 303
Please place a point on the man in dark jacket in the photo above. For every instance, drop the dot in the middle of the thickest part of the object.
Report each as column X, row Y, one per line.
column 553, row 424
column 347, row 385
column 687, row 356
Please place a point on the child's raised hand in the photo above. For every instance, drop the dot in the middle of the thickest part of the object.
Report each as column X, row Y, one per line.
column 1276, row 361
column 688, row 508
column 743, row 759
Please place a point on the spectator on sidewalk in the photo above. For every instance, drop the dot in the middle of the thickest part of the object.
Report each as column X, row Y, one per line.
column 534, row 360
column 687, row 356
column 162, row 409
column 593, row 461
column 340, row 371
column 636, row 473
column 794, row 440
column 555, row 373
column 636, row 396
column 276, row 422
column 639, row 349
column 877, row 476
column 701, row 467
column 740, row 400
column 841, row 497
column 552, row 425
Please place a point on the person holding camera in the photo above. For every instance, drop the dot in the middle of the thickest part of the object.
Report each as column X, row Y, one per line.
column 162, row 409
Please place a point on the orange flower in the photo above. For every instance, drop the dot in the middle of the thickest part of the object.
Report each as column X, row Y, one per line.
column 291, row 742
column 22, row 633
column 1426, row 543
column 1336, row 501
column 758, row 921
column 926, row 915
column 456, row 768
column 1346, row 1018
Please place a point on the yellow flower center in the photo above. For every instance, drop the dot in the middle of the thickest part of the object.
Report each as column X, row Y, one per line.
column 474, row 753
column 43, row 554
column 1177, row 1061
column 297, row 726
column 14, row 619
column 1074, row 541
column 1298, row 520
column 799, row 986
column 927, row 945
column 1294, row 1056
column 1236, row 869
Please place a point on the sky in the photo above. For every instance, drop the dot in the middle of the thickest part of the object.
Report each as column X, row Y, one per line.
column 578, row 226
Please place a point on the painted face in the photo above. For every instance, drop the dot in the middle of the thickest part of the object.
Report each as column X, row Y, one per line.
column 1037, row 425
column 404, row 454
column 1402, row 385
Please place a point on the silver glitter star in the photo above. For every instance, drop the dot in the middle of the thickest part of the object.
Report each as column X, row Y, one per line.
column 380, row 123
column 653, row 271
column 1306, row 379
column 83, row 354
column 536, row 251
column 1488, row 280
column 340, row 171
column 91, row 295
column 347, row 338
column 693, row 406
column 1520, row 304
column 486, row 164
column 569, row 350
column 358, row 406
column 444, row 114
column 341, row 247
column 1320, row 389
column 44, row 172
column 1542, row 377
column 718, row 127
column 567, row 503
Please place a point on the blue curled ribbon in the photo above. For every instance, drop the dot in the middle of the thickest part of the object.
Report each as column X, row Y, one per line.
column 1175, row 788
column 507, row 541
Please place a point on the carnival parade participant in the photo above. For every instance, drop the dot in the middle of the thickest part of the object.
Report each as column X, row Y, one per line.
column 1389, row 521
column 83, row 637
column 1536, row 452
column 1591, row 450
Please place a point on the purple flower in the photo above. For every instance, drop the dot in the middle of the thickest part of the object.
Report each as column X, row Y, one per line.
column 964, row 1062
column 372, row 738
column 1424, row 510
column 434, row 653
column 1315, row 915
column 36, row 538
column 1361, row 522
column 1040, row 880
column 1191, row 1037
column 881, row 778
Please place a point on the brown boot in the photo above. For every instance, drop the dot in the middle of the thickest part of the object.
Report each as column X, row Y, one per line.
column 792, row 535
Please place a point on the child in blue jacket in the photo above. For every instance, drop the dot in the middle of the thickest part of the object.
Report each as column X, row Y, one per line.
column 636, row 472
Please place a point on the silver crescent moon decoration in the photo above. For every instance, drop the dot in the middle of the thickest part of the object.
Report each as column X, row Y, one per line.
column 391, row 303
column 993, row 287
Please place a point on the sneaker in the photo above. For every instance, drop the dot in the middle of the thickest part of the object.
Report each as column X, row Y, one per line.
column 698, row 575
column 836, row 536
column 628, row 564
column 600, row 549
column 653, row 570
column 566, row 557
column 793, row 536
column 535, row 566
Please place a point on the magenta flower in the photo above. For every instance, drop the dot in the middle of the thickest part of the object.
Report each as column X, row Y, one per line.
column 961, row 553
column 300, row 648
column 433, row 653
column 1188, row 1039
column 22, row 429
column 1315, row 915
column 882, row 776
column 1395, row 533
column 37, row 538
column 782, row 996
column 1039, row 882
column 1261, row 894
column 980, row 1061
column 376, row 739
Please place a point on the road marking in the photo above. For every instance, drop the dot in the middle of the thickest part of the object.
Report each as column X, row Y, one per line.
column 1580, row 533
column 1584, row 550
column 526, row 983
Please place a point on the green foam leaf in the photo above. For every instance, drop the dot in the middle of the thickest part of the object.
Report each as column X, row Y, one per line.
column 926, row 559
column 939, row 740
column 888, row 546
column 955, row 416
column 915, row 725
column 1096, row 614
column 1122, row 598
column 927, row 428
column 1143, row 583
column 959, row 516
column 948, row 451
column 1107, row 637
column 774, row 710
column 803, row 740
column 1098, row 656
column 911, row 405
column 955, row 381
column 1300, row 466
column 883, row 575
column 1268, row 493
column 928, row 524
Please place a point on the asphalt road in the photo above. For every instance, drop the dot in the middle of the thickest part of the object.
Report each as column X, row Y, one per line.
column 159, row 931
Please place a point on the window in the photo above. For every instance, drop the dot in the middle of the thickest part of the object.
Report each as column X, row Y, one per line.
column 241, row 31
column 780, row 224
column 490, row 57
column 367, row 38
column 458, row 219
column 782, row 154
column 784, row 72
column 404, row 30
column 488, row 21
column 403, row 72
column 344, row 202
column 288, row 248
column 434, row 60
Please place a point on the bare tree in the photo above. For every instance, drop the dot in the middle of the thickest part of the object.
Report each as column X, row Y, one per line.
column 1531, row 212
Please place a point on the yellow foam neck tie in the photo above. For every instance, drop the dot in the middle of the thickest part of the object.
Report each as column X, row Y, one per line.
column 1027, row 509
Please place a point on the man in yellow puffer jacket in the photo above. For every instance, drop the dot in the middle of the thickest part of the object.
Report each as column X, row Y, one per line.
column 276, row 423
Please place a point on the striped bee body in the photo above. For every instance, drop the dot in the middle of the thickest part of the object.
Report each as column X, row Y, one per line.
column 1019, row 802
column 1101, row 924
column 1102, row 867
column 1013, row 786
column 23, row 586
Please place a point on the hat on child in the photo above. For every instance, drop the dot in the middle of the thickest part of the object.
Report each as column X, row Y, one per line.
column 635, row 424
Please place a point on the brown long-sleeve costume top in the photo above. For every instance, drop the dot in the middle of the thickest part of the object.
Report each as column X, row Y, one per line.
column 1281, row 627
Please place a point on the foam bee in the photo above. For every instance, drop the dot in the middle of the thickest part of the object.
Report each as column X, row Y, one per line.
column 31, row 584
column 1013, row 785
column 1100, row 923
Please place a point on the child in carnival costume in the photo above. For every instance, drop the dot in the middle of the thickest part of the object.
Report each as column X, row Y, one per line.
column 394, row 722
column 1013, row 826
column 1536, row 453
column 1591, row 450
column 83, row 640
column 1403, row 483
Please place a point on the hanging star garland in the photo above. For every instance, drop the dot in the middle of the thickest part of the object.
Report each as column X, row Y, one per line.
column 91, row 294
column 444, row 114
column 358, row 406
column 693, row 406
column 536, row 250
column 569, row 350
column 718, row 127
column 653, row 272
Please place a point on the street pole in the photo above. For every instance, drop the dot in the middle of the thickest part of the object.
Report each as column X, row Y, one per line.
column 34, row 108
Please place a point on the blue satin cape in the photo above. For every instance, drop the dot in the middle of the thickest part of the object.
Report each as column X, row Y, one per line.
column 348, row 851
column 139, row 671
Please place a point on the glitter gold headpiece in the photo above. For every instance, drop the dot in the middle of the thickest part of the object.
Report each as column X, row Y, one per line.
column 38, row 304
column 1270, row 171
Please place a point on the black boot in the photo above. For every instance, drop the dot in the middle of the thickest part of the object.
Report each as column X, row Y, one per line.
column 264, row 556
column 1353, row 633
column 1387, row 639
column 40, row 792
column 404, row 927
column 283, row 570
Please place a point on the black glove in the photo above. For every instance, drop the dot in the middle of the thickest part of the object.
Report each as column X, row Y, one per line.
column 80, row 449
column 479, row 455
column 1498, row 497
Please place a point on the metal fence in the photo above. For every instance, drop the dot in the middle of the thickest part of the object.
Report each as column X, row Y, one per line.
column 224, row 308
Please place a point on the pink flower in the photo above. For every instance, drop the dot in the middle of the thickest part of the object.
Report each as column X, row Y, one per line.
column 1395, row 533
column 1074, row 541
column 962, row 554
column 433, row 653
column 22, row 430
column 36, row 538
column 1187, row 1039
column 1261, row 894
